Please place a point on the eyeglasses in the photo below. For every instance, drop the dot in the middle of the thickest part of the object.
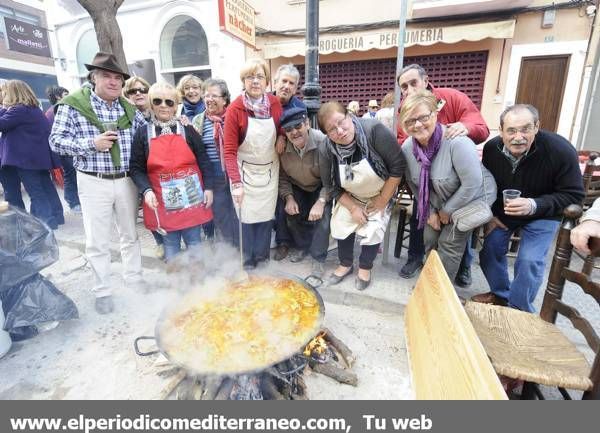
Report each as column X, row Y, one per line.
column 337, row 126
column 524, row 130
column 424, row 118
column 211, row 96
column 258, row 77
column 158, row 101
column 135, row 90
column 297, row 127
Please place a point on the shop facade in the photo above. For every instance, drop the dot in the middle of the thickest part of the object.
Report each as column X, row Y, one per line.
column 162, row 41
column 497, row 57
column 25, row 52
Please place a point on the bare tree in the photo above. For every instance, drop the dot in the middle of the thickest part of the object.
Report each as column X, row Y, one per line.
column 108, row 33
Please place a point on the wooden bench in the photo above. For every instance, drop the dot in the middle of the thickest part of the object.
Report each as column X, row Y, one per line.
column 446, row 358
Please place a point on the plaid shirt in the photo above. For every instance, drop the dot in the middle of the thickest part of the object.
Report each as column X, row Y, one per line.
column 72, row 134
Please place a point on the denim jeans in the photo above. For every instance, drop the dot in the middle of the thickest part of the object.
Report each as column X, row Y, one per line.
column 45, row 203
column 310, row 236
column 172, row 240
column 70, row 178
column 11, row 184
column 257, row 241
column 282, row 232
column 536, row 238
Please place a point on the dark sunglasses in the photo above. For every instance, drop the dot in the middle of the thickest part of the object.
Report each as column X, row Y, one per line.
column 141, row 90
column 158, row 101
column 291, row 128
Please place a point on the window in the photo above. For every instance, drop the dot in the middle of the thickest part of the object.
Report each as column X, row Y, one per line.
column 184, row 49
column 86, row 50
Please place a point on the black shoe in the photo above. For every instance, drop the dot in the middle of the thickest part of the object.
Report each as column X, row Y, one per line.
column 104, row 305
column 463, row 277
column 281, row 252
column 336, row 279
column 249, row 265
column 410, row 268
column 361, row 284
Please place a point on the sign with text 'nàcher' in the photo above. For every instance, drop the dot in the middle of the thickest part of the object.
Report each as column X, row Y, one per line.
column 236, row 17
column 26, row 38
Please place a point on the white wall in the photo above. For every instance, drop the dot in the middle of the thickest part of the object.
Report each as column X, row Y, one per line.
column 141, row 26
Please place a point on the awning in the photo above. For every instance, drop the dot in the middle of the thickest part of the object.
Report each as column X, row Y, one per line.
column 382, row 39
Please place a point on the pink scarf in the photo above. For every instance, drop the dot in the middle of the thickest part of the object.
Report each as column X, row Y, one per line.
column 261, row 108
column 425, row 157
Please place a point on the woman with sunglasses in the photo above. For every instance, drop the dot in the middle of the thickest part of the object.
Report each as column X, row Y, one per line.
column 136, row 92
column 251, row 160
column 210, row 125
column 170, row 167
column 366, row 167
column 443, row 174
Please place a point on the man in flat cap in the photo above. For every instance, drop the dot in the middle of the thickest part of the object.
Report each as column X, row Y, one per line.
column 95, row 126
column 307, row 202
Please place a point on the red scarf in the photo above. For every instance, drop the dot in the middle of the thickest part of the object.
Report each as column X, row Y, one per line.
column 218, row 135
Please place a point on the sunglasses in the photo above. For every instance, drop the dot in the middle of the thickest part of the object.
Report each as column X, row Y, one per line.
column 141, row 90
column 291, row 128
column 158, row 101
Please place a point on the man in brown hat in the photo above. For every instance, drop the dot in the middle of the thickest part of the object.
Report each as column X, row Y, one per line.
column 96, row 127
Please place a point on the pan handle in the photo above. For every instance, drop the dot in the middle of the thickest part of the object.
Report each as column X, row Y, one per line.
column 137, row 349
column 313, row 277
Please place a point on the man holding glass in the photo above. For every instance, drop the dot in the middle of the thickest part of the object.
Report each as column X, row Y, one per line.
column 538, row 175
column 96, row 126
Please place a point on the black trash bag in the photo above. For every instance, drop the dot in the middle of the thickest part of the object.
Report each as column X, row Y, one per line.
column 34, row 301
column 27, row 245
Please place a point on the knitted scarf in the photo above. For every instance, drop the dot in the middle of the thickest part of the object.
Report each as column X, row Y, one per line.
column 342, row 153
column 219, row 136
column 261, row 108
column 191, row 110
column 425, row 157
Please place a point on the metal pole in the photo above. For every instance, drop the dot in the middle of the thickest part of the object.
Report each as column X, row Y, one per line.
column 400, row 58
column 311, row 88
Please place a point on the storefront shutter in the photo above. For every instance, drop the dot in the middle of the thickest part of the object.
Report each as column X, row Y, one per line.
column 372, row 79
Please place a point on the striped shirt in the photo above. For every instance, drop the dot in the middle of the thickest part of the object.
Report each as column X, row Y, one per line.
column 208, row 137
column 72, row 134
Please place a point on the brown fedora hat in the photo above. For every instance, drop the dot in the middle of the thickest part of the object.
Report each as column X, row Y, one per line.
column 108, row 62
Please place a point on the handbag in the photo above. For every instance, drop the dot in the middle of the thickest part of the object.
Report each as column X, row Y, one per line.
column 478, row 212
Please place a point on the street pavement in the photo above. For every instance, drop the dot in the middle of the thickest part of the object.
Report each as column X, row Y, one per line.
column 93, row 357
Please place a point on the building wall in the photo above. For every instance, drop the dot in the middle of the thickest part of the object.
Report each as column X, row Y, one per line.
column 141, row 26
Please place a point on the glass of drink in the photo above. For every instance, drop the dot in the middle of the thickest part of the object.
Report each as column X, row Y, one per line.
column 110, row 126
column 510, row 194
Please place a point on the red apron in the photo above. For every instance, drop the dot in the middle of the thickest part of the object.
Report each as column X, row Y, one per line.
column 176, row 181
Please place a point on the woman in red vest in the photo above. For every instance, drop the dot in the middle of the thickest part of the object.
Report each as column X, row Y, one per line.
column 170, row 167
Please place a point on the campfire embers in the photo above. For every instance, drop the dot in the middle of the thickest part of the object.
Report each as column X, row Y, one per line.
column 324, row 354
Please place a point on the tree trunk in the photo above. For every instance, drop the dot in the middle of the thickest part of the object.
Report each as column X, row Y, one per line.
column 108, row 33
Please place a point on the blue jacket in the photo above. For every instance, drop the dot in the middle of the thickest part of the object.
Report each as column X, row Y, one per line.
column 24, row 141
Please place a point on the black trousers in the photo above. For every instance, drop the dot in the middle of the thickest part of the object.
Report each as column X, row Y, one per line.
column 346, row 253
column 224, row 216
column 310, row 236
column 282, row 233
column 257, row 241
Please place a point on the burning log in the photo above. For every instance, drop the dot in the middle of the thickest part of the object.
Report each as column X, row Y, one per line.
column 300, row 391
column 224, row 390
column 337, row 373
column 340, row 346
column 173, row 383
column 270, row 390
column 211, row 387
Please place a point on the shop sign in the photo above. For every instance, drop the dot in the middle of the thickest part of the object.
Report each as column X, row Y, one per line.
column 237, row 18
column 27, row 38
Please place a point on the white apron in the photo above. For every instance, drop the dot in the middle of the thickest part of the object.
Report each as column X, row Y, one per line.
column 364, row 185
column 259, row 168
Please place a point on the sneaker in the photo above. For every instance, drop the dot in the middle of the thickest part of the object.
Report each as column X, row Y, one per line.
column 104, row 305
column 281, row 252
column 410, row 269
column 463, row 277
column 159, row 251
column 76, row 209
column 297, row 256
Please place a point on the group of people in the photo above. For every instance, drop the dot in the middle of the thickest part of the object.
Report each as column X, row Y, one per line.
column 201, row 162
